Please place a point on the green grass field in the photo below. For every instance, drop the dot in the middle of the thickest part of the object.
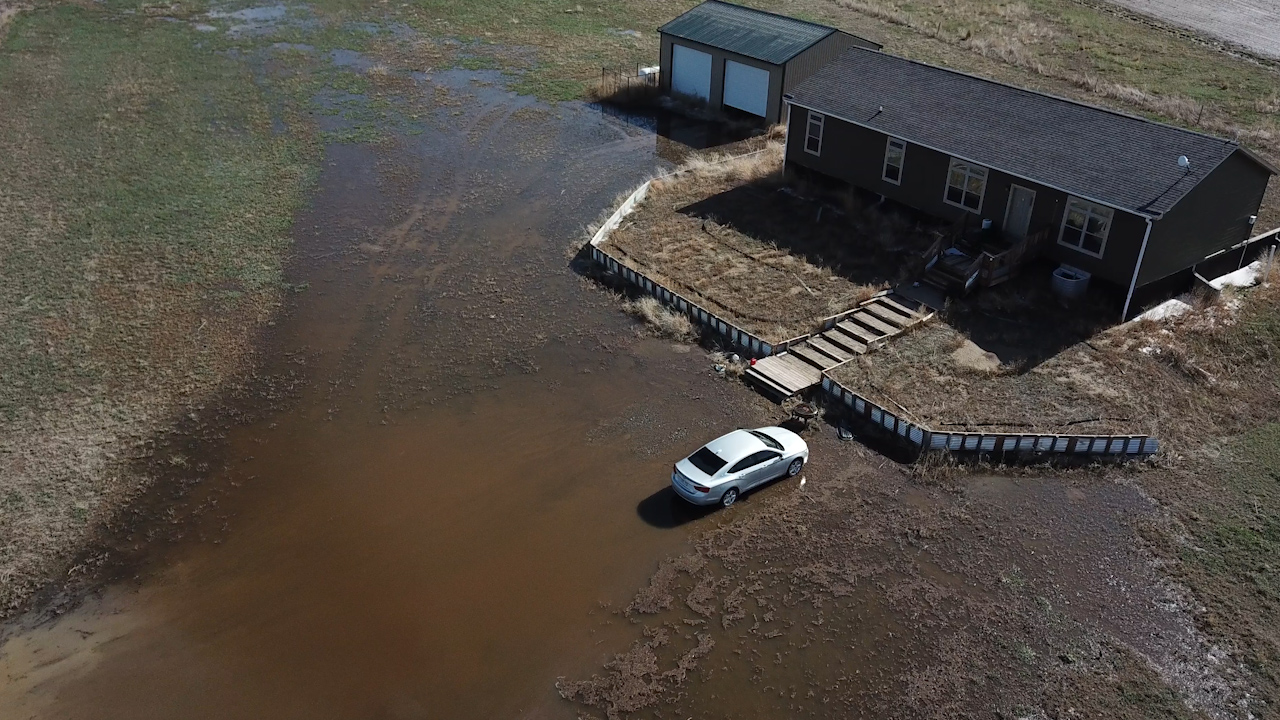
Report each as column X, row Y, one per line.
column 144, row 189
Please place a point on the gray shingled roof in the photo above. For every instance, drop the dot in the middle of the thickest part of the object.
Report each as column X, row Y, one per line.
column 754, row 33
column 1105, row 156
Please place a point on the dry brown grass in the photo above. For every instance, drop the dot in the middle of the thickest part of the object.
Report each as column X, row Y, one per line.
column 725, row 234
column 662, row 320
column 1077, row 53
column 141, row 246
column 1185, row 381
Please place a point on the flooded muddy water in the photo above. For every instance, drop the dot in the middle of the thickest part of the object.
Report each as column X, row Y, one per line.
column 439, row 525
column 456, row 505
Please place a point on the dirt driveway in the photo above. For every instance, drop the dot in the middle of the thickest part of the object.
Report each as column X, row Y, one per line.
column 1252, row 24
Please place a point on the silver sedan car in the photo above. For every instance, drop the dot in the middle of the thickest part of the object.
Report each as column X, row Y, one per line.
column 731, row 465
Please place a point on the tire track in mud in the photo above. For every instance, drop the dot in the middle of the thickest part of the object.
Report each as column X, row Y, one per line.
column 400, row 259
column 429, row 218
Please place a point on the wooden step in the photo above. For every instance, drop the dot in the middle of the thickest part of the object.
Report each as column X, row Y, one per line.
column 813, row 357
column 805, row 373
column 842, row 339
column 835, row 352
column 769, row 387
column 884, row 312
column 791, row 373
column 958, row 273
column 901, row 304
column 875, row 323
column 862, row 332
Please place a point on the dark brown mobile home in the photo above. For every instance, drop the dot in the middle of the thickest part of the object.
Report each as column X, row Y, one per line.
column 746, row 59
column 1133, row 202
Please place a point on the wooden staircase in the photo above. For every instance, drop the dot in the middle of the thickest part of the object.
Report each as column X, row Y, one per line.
column 868, row 327
column 957, row 264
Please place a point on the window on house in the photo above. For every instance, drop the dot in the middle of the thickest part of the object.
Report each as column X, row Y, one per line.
column 894, row 155
column 966, row 184
column 813, row 138
column 1085, row 226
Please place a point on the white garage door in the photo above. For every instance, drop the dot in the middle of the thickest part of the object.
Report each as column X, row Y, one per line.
column 690, row 72
column 746, row 88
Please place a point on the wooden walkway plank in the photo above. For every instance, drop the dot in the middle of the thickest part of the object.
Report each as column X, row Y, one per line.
column 864, row 333
column 802, row 370
column 777, row 369
column 842, row 339
column 763, row 381
column 874, row 323
column 819, row 343
column 904, row 305
column 813, row 357
column 884, row 312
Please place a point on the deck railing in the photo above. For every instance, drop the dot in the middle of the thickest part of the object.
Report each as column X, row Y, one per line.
column 1000, row 267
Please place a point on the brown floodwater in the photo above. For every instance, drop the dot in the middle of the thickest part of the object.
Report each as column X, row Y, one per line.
column 445, row 518
column 451, row 509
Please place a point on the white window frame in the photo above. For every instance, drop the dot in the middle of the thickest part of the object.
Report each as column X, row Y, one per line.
column 1091, row 210
column 902, row 161
column 814, row 119
column 970, row 170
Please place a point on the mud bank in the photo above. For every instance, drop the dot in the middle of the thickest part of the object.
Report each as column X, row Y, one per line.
column 869, row 593
column 436, row 508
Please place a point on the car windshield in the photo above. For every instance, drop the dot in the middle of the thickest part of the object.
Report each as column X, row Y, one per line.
column 707, row 461
column 766, row 439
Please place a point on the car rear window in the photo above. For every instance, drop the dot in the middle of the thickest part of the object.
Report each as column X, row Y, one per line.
column 766, row 439
column 707, row 461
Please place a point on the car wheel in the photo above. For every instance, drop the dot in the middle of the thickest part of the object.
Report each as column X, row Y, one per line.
column 730, row 497
column 794, row 468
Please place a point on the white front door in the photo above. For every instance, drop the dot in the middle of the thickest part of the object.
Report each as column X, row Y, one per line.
column 746, row 88
column 1017, row 217
column 690, row 72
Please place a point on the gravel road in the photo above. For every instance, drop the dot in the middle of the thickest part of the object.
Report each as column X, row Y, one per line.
column 1253, row 24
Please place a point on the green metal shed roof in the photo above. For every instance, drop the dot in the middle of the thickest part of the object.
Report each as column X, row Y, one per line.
column 757, row 34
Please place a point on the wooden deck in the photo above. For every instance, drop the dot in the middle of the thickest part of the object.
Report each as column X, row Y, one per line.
column 873, row 324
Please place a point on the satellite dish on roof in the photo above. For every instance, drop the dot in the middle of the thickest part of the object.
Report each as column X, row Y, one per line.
column 1184, row 162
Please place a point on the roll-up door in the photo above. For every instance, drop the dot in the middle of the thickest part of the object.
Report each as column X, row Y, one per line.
column 746, row 88
column 690, row 72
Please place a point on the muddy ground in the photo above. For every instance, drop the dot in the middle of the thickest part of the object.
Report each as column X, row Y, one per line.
column 439, row 494
column 435, row 489
column 458, row 478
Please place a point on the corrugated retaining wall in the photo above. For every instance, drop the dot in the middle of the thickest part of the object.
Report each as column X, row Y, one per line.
column 1033, row 444
column 918, row 436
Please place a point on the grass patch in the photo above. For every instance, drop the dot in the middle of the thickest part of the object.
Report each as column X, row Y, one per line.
column 143, row 180
column 146, row 196
column 1233, row 520
column 663, row 321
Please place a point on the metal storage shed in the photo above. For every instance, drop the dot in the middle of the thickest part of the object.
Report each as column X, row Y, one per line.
column 737, row 57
